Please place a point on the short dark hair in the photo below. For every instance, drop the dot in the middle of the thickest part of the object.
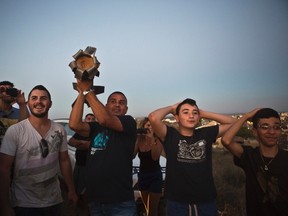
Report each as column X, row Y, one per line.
column 7, row 83
column 89, row 114
column 186, row 101
column 42, row 88
column 264, row 113
column 117, row 92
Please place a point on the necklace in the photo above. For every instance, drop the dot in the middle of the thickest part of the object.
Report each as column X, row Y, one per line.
column 266, row 165
column 266, row 168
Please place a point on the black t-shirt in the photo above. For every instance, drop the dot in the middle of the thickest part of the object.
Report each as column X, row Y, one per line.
column 189, row 176
column 109, row 162
column 266, row 190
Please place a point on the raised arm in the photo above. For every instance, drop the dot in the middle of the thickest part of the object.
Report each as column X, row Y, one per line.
column 228, row 137
column 75, row 120
column 23, row 110
column 156, row 118
column 100, row 112
column 225, row 120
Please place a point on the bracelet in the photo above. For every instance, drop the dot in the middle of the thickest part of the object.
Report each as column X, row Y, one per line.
column 87, row 91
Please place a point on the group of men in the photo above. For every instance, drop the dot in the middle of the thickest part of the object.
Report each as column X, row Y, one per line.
column 33, row 147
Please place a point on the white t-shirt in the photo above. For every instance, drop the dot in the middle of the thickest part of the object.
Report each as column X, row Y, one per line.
column 35, row 179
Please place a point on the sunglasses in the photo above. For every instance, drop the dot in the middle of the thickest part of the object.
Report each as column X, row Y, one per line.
column 44, row 148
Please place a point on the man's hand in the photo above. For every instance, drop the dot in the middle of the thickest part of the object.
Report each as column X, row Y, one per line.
column 20, row 98
column 72, row 197
column 84, row 85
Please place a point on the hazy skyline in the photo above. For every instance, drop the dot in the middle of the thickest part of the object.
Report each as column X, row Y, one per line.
column 230, row 56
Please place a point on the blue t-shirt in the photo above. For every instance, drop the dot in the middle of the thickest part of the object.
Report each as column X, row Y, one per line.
column 13, row 114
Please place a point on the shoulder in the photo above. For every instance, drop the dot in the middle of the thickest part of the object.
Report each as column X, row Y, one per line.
column 57, row 127
column 171, row 131
column 127, row 118
column 283, row 152
column 211, row 130
column 128, row 122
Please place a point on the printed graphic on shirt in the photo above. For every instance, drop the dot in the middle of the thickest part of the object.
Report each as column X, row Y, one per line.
column 270, row 187
column 99, row 142
column 4, row 124
column 53, row 145
column 191, row 153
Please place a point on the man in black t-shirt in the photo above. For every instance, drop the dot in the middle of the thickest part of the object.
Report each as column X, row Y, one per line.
column 108, row 175
column 265, row 166
column 189, row 186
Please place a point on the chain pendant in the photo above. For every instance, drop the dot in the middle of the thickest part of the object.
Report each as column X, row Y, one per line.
column 266, row 168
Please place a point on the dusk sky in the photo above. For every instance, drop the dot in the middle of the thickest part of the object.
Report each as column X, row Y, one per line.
column 229, row 55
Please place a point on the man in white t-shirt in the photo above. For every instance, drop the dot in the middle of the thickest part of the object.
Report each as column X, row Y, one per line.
column 36, row 146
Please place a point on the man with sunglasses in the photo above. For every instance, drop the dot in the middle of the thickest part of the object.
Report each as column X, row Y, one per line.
column 265, row 166
column 36, row 146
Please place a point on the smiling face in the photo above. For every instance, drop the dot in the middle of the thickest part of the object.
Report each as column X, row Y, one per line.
column 268, row 131
column 39, row 103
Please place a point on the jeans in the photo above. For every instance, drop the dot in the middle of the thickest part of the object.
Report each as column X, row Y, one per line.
column 46, row 211
column 193, row 209
column 127, row 208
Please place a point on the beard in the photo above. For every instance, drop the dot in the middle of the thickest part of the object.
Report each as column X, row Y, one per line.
column 39, row 115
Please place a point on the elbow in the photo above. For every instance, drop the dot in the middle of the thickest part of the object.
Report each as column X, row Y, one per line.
column 72, row 125
column 225, row 141
column 152, row 117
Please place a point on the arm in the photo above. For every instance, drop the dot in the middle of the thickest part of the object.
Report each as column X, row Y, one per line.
column 79, row 144
column 136, row 147
column 157, row 149
column 75, row 120
column 103, row 117
column 6, row 162
column 227, row 139
column 23, row 112
column 66, row 170
column 224, row 120
column 156, row 118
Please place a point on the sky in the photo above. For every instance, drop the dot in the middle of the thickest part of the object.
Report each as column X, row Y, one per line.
column 229, row 55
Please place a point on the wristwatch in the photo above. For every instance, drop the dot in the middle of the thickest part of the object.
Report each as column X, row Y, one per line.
column 87, row 91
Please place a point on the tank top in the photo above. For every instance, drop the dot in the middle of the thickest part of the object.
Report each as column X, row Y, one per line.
column 147, row 164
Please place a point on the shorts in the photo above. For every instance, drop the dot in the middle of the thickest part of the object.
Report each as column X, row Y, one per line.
column 150, row 181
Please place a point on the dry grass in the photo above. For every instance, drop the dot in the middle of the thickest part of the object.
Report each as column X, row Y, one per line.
column 230, row 184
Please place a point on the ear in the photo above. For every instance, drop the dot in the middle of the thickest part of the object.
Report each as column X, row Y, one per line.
column 126, row 109
column 255, row 133
column 50, row 105
column 176, row 118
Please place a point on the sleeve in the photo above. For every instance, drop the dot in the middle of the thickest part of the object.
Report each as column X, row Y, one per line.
column 128, row 123
column 241, row 162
